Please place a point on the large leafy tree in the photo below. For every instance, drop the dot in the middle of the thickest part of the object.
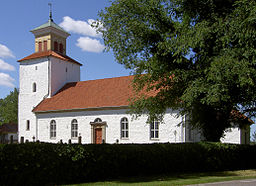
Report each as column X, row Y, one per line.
column 9, row 108
column 199, row 56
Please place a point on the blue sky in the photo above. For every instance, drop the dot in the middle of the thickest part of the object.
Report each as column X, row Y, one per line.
column 18, row 17
column 84, row 45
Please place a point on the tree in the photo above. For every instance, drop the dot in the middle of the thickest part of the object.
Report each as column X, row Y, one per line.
column 199, row 56
column 9, row 108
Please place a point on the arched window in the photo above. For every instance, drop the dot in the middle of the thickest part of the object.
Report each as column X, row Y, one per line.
column 39, row 46
column 74, row 128
column 61, row 48
column 154, row 130
column 56, row 46
column 97, row 120
column 53, row 129
column 34, row 87
column 124, row 128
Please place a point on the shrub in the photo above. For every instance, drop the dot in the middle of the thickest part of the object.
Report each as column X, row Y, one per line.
column 43, row 163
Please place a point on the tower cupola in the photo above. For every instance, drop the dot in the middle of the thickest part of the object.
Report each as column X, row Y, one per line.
column 50, row 36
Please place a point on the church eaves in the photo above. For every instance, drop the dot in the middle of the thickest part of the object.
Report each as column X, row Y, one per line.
column 50, row 23
column 50, row 53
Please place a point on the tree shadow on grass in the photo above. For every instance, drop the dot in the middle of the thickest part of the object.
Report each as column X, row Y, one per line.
column 172, row 177
column 176, row 178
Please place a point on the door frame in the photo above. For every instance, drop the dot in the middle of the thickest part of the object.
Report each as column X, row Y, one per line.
column 96, row 125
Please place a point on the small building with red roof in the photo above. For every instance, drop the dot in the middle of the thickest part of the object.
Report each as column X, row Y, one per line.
column 9, row 133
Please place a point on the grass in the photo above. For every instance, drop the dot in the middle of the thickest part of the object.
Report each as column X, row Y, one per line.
column 181, row 179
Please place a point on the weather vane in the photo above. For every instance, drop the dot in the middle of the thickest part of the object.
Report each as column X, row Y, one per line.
column 50, row 5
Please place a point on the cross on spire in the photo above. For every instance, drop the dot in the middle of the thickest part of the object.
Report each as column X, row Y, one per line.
column 50, row 15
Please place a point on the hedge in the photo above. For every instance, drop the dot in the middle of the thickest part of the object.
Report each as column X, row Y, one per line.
column 43, row 163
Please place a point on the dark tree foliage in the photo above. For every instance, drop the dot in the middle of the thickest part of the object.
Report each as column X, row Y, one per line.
column 9, row 108
column 198, row 54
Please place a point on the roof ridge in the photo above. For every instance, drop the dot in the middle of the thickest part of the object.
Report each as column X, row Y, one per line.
column 108, row 78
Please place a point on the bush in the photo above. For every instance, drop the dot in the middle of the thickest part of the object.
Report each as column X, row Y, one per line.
column 42, row 163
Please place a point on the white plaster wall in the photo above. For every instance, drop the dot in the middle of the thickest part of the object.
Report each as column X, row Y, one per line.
column 191, row 134
column 139, row 131
column 7, row 137
column 40, row 71
column 195, row 134
column 59, row 75
column 15, row 136
column 31, row 71
column 232, row 136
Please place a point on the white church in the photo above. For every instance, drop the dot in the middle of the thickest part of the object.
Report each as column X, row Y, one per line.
column 55, row 106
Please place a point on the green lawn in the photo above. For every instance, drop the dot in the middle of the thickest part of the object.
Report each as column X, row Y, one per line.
column 182, row 179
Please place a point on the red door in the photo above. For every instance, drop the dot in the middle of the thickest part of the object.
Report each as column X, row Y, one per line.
column 98, row 135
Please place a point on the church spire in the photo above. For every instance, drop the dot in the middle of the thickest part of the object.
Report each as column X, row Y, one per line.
column 50, row 14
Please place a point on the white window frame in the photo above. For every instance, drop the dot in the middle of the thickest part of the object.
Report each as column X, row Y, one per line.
column 154, row 130
column 53, row 129
column 74, row 129
column 124, row 126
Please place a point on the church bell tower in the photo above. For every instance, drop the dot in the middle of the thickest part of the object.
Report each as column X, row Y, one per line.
column 43, row 74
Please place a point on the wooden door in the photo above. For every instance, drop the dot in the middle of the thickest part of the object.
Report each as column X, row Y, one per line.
column 98, row 135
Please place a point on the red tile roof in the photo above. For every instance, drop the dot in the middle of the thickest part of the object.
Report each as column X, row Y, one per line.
column 50, row 53
column 238, row 116
column 101, row 93
column 111, row 92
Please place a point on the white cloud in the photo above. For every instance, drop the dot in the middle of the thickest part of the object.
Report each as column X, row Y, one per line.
column 6, row 66
column 79, row 27
column 5, row 52
column 6, row 80
column 90, row 45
